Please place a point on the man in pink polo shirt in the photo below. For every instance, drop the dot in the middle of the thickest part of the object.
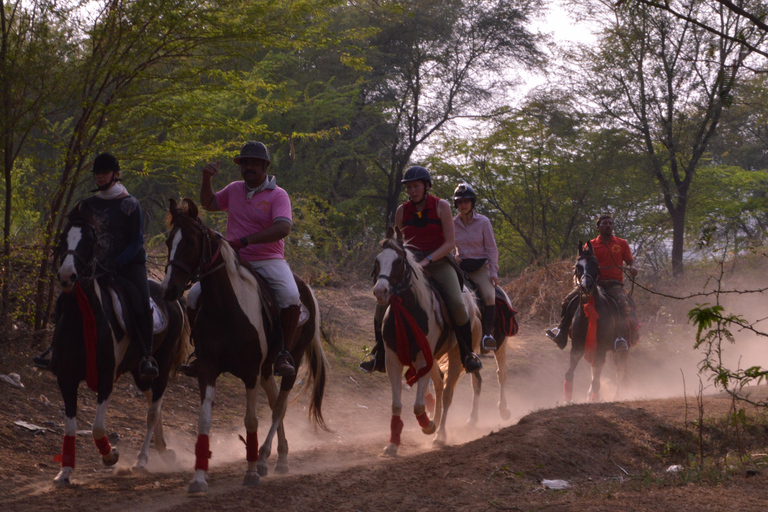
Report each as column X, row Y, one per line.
column 258, row 218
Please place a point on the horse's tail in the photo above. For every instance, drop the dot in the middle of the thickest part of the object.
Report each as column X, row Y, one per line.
column 318, row 369
column 184, row 346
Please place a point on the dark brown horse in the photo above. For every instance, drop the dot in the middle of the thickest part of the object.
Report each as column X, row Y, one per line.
column 597, row 325
column 92, row 341
column 232, row 332
column 414, row 301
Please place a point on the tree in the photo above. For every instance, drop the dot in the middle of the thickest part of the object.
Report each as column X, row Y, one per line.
column 434, row 62
column 667, row 82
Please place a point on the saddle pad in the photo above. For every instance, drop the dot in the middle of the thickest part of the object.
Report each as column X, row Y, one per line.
column 159, row 320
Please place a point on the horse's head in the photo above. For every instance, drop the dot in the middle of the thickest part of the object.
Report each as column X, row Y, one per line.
column 189, row 244
column 587, row 269
column 79, row 247
column 391, row 269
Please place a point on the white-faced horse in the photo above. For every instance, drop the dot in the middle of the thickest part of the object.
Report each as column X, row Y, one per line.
column 92, row 341
column 417, row 335
column 232, row 332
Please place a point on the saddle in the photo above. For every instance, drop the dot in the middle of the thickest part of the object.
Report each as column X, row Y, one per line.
column 122, row 305
column 505, row 313
column 269, row 303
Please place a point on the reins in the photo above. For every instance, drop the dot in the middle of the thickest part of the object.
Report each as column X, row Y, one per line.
column 207, row 258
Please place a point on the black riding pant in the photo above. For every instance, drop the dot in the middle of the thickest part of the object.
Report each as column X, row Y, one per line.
column 135, row 274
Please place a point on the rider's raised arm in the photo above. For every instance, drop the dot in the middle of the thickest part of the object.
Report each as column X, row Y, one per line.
column 207, row 196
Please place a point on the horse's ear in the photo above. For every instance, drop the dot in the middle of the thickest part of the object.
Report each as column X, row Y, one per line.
column 191, row 207
column 172, row 206
column 398, row 234
column 390, row 232
column 589, row 246
column 581, row 247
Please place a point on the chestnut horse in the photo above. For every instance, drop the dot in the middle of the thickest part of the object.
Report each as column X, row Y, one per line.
column 94, row 341
column 416, row 334
column 232, row 331
column 597, row 325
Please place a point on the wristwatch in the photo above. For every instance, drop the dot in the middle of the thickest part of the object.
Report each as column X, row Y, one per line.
column 429, row 258
column 244, row 241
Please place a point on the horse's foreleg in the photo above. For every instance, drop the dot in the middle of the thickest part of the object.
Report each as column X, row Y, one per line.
column 597, row 370
column 153, row 420
column 394, row 372
column 67, row 456
column 437, row 383
column 202, row 446
column 109, row 455
column 451, row 378
column 568, row 384
column 251, row 438
column 501, row 375
column 419, row 406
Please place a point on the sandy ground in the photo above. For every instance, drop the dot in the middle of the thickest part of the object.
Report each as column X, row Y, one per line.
column 614, row 455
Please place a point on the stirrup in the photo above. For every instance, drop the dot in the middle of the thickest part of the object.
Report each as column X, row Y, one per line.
column 286, row 372
column 472, row 363
column 489, row 342
column 620, row 345
column 552, row 333
column 148, row 368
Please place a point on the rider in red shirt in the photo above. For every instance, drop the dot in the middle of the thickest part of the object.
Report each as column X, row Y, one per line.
column 610, row 251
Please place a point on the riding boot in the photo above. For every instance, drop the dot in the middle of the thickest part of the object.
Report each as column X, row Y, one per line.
column 148, row 366
column 489, row 322
column 560, row 334
column 190, row 367
column 376, row 362
column 468, row 358
column 289, row 320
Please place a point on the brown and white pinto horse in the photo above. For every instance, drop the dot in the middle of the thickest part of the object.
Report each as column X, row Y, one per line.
column 401, row 283
column 92, row 342
column 232, row 330
column 597, row 324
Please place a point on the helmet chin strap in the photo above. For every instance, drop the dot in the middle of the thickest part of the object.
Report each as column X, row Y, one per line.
column 423, row 198
column 105, row 186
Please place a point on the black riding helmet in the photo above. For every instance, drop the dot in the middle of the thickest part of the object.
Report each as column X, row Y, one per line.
column 415, row 173
column 106, row 162
column 464, row 191
column 253, row 150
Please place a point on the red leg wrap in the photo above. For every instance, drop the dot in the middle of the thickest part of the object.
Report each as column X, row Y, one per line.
column 423, row 420
column 251, row 446
column 395, row 427
column 103, row 445
column 67, row 455
column 568, row 390
column 202, row 452
column 429, row 400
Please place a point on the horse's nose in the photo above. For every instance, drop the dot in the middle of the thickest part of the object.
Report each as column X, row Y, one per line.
column 380, row 291
column 67, row 281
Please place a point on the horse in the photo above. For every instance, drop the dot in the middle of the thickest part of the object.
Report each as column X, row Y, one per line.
column 94, row 340
column 232, row 330
column 500, row 334
column 416, row 334
column 597, row 326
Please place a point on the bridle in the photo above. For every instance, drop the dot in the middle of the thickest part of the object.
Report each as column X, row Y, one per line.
column 90, row 267
column 582, row 275
column 208, row 256
column 404, row 282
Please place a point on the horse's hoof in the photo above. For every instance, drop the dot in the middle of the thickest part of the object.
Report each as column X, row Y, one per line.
column 139, row 469
column 472, row 421
column 251, row 479
column 438, row 443
column 197, row 487
column 62, row 482
column 430, row 429
column 281, row 468
column 262, row 468
column 168, row 457
column 111, row 458
column 505, row 413
column 390, row 450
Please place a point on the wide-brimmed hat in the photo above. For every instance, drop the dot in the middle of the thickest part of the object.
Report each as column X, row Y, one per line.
column 253, row 150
